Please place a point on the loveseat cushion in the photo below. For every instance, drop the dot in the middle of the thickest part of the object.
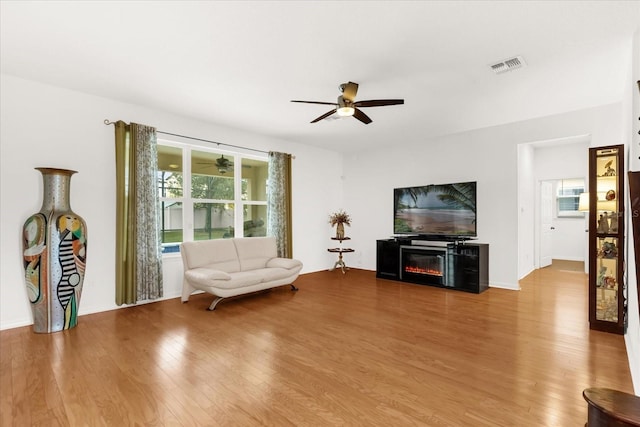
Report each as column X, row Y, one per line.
column 272, row 274
column 287, row 263
column 254, row 252
column 202, row 275
column 240, row 279
column 219, row 254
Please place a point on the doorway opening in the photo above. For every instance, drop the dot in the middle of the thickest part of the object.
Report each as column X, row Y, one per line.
column 548, row 229
column 563, row 243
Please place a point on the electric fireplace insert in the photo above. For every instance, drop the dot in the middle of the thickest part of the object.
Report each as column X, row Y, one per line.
column 424, row 266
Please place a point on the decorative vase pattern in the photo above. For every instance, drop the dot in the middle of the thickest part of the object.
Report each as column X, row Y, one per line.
column 54, row 247
column 339, row 230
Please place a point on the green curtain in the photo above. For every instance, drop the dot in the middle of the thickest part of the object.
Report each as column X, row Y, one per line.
column 138, row 248
column 279, row 222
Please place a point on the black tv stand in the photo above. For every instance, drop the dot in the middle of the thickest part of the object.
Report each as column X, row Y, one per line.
column 450, row 264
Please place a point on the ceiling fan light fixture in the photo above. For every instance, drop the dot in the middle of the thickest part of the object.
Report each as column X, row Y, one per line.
column 345, row 111
column 345, row 107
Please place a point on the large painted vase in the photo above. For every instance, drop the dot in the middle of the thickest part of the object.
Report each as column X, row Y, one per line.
column 54, row 247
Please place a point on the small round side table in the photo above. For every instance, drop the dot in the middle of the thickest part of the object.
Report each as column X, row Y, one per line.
column 340, row 262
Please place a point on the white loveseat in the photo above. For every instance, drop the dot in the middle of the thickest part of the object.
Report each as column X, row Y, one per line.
column 230, row 267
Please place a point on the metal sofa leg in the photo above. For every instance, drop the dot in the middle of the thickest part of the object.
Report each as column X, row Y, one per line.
column 214, row 303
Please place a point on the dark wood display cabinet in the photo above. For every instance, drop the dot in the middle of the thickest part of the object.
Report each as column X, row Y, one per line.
column 607, row 307
column 454, row 265
column 634, row 197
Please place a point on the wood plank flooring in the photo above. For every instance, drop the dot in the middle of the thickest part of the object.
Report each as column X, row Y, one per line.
column 344, row 350
column 567, row 265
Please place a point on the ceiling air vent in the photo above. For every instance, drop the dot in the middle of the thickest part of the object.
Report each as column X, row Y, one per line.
column 508, row 65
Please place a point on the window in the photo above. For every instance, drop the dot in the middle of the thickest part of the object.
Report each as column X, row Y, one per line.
column 209, row 194
column 568, row 197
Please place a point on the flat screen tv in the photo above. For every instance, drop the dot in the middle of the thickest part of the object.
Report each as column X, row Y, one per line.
column 445, row 210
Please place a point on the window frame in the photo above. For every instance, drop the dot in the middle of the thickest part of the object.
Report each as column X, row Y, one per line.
column 188, row 201
column 562, row 213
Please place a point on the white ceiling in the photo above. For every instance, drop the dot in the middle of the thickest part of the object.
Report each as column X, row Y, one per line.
column 240, row 63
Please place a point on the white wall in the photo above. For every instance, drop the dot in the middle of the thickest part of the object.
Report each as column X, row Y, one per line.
column 488, row 156
column 49, row 126
column 526, row 210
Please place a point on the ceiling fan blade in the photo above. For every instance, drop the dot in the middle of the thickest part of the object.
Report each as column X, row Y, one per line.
column 317, row 102
column 324, row 116
column 358, row 114
column 378, row 102
column 350, row 90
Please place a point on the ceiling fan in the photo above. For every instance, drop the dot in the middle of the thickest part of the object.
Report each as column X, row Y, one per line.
column 348, row 106
column 223, row 164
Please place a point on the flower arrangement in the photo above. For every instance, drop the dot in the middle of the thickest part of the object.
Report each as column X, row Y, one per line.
column 340, row 217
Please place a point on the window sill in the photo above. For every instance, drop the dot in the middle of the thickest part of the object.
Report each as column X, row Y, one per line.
column 170, row 255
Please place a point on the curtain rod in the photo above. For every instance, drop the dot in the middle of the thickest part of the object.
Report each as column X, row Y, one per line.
column 107, row 122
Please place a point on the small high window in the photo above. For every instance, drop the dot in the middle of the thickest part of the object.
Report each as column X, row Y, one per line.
column 568, row 197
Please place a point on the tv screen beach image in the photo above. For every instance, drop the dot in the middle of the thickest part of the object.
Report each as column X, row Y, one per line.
column 436, row 209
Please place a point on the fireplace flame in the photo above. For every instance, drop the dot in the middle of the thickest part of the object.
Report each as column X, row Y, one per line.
column 422, row 270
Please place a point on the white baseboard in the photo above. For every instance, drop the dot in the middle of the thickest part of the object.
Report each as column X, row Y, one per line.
column 16, row 324
column 568, row 258
column 501, row 285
